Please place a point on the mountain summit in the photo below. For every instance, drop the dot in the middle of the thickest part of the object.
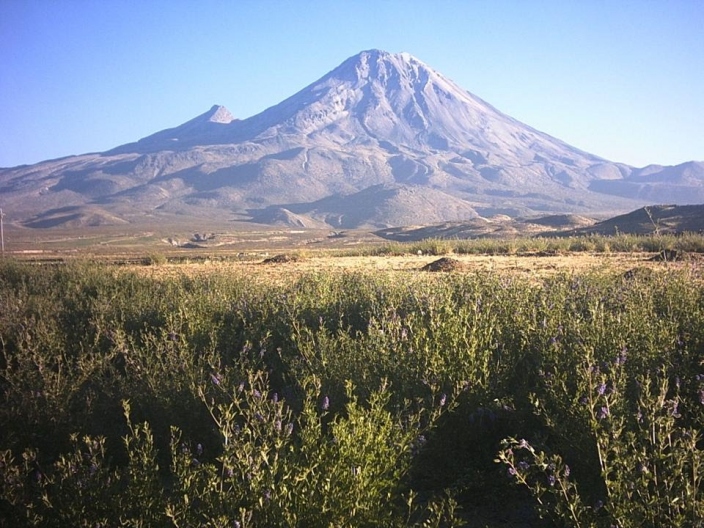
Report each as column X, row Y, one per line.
column 381, row 140
column 395, row 98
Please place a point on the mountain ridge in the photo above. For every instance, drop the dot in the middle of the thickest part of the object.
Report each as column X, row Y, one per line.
column 382, row 138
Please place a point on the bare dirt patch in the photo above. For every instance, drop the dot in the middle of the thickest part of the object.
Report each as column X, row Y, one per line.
column 443, row 264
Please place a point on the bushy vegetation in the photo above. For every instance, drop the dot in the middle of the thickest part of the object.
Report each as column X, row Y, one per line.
column 348, row 399
column 620, row 243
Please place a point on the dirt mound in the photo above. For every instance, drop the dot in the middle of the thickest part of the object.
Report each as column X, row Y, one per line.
column 443, row 264
column 282, row 259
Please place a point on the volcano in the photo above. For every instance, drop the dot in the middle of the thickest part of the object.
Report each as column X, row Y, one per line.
column 381, row 140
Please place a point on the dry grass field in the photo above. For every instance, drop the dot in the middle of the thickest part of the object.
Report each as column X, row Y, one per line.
column 247, row 251
column 524, row 266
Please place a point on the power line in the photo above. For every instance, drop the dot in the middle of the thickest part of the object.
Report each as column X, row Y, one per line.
column 2, row 232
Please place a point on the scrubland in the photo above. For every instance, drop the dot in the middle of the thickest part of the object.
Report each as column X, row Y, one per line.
column 315, row 394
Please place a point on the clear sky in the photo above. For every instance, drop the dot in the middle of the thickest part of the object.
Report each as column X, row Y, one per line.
column 620, row 79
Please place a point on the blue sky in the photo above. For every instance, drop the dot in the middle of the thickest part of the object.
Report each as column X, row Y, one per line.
column 620, row 79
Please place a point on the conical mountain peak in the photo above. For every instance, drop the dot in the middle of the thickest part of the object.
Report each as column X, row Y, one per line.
column 389, row 97
column 201, row 129
column 377, row 65
column 333, row 150
column 218, row 114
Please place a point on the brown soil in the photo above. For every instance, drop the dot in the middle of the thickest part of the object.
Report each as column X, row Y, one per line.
column 443, row 264
column 282, row 259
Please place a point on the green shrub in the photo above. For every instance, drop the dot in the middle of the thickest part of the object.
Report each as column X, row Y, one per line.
column 423, row 375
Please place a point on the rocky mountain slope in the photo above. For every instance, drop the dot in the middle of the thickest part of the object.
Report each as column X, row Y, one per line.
column 382, row 140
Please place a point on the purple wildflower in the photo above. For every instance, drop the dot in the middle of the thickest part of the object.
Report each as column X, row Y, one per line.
column 215, row 378
column 621, row 358
column 523, row 444
column 512, row 472
column 603, row 413
column 551, row 480
column 567, row 471
column 326, row 404
column 523, row 465
column 289, row 428
column 443, row 400
column 275, row 398
column 601, row 389
column 257, row 394
column 277, row 426
column 199, row 449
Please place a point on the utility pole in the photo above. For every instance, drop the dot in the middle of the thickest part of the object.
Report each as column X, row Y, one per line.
column 2, row 233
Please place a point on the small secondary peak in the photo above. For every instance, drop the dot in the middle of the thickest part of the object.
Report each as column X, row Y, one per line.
column 219, row 114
